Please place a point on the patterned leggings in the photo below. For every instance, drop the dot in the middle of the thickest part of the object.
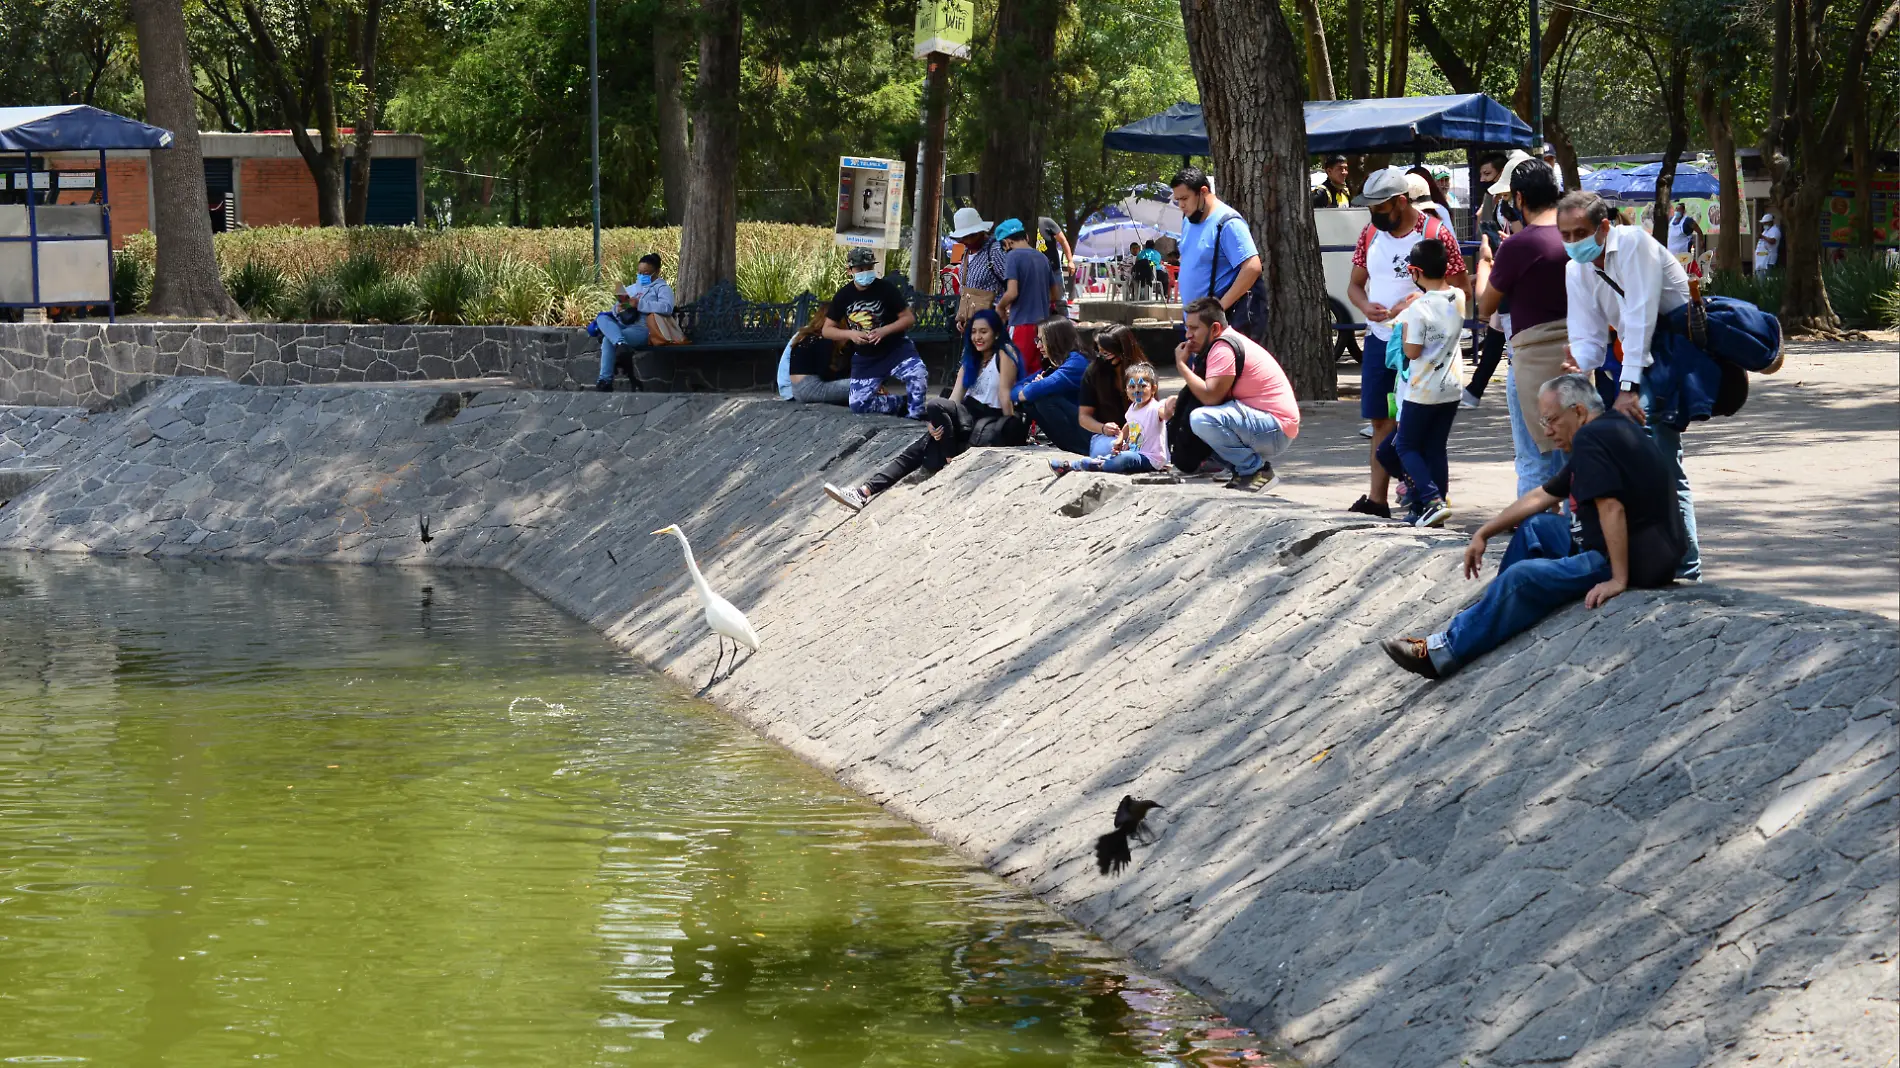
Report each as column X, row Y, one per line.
column 866, row 400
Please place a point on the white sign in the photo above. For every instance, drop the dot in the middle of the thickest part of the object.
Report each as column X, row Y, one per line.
column 870, row 202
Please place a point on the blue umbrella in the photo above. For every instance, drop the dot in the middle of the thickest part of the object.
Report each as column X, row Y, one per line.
column 1639, row 183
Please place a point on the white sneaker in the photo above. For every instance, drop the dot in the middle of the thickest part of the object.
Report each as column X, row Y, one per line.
column 850, row 498
column 1469, row 400
column 1434, row 515
column 1365, row 430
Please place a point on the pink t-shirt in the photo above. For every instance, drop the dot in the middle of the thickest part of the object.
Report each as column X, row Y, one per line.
column 1148, row 432
column 1262, row 384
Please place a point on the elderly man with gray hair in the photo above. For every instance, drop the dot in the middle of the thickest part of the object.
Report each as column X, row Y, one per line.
column 1622, row 491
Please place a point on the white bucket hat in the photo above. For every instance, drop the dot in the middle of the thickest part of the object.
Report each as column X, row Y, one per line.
column 1502, row 187
column 968, row 221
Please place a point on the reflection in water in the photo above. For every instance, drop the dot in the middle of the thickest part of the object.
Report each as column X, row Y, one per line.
column 388, row 817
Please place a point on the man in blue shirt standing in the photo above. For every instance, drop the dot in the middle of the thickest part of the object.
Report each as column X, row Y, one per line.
column 1218, row 256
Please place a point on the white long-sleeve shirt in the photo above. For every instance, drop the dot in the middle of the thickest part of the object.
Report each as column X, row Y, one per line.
column 1653, row 282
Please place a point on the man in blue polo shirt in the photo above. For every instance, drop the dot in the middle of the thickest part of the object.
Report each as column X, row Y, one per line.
column 1227, row 272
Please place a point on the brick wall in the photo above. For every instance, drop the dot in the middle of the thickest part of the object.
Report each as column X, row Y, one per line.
column 276, row 192
column 126, row 192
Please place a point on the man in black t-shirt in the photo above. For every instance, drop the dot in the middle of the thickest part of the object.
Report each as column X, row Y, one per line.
column 1623, row 493
column 872, row 315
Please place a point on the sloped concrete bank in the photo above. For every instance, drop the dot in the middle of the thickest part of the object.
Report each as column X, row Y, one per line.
column 1661, row 834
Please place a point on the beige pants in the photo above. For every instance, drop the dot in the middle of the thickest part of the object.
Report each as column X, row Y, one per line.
column 1537, row 356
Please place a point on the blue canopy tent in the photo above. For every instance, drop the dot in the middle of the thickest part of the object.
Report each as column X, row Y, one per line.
column 53, row 254
column 1639, row 183
column 1416, row 123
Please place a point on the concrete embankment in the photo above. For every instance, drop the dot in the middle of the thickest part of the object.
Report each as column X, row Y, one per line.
column 1662, row 833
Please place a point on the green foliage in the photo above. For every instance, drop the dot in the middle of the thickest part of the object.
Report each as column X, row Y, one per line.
column 447, row 288
column 1856, row 284
column 259, row 288
column 774, row 276
column 131, row 283
column 1887, row 308
column 361, row 269
column 317, row 297
column 390, row 299
column 512, row 291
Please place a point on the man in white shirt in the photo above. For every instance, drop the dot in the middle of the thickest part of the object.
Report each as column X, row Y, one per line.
column 1767, row 244
column 1620, row 278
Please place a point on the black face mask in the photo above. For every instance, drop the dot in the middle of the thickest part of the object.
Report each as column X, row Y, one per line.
column 1199, row 215
column 1386, row 221
column 1508, row 212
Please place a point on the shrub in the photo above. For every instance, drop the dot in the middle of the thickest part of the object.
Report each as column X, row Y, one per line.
column 317, row 297
column 1887, row 307
column 513, row 292
column 386, row 300
column 131, row 283
column 1855, row 284
column 448, row 288
column 260, row 289
column 361, row 269
column 774, row 275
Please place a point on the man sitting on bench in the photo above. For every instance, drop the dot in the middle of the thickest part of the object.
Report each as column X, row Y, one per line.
column 626, row 324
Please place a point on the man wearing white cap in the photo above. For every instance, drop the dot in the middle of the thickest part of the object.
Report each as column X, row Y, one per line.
column 1767, row 244
column 1381, row 287
column 980, row 277
column 647, row 294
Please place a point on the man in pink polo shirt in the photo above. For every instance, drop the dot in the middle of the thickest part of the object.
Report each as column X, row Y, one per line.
column 1249, row 414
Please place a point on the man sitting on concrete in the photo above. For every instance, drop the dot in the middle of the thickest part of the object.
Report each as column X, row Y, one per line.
column 1623, row 491
column 1248, row 414
column 626, row 324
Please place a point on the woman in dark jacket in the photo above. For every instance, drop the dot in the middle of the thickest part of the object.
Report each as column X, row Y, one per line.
column 1103, row 402
column 1053, row 399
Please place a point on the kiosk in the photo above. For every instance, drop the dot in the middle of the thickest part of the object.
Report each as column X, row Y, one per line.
column 56, row 251
column 870, row 205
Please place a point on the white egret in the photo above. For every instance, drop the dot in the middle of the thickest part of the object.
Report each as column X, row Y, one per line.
column 725, row 620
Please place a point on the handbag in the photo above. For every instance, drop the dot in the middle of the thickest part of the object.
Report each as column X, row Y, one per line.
column 971, row 301
column 663, row 329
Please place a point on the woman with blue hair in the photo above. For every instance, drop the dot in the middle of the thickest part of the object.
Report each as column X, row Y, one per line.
column 980, row 412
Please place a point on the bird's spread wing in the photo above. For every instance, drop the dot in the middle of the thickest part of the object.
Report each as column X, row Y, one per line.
column 1111, row 853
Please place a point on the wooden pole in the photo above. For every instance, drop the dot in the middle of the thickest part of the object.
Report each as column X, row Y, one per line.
column 923, row 260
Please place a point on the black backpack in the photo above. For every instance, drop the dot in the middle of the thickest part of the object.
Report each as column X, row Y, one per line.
column 1186, row 451
column 1249, row 313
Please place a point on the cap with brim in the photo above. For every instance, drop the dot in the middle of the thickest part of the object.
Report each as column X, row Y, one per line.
column 1417, row 187
column 1008, row 228
column 966, row 222
column 1381, row 186
column 1502, row 187
column 1767, row 218
column 860, row 257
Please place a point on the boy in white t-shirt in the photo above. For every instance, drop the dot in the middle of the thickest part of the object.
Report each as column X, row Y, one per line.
column 1431, row 327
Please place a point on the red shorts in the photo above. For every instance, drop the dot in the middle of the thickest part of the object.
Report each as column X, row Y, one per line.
column 1024, row 338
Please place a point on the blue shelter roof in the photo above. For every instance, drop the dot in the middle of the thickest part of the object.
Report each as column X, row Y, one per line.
column 1380, row 125
column 1639, row 183
column 74, row 127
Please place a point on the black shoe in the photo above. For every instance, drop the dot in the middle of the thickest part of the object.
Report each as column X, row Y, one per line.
column 1366, row 506
column 1412, row 655
column 605, row 385
column 1258, row 482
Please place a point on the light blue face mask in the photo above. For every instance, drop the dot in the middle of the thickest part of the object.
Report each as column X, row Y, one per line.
column 644, row 278
column 864, row 278
column 1584, row 251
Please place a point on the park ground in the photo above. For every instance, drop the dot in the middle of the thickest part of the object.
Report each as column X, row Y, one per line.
column 1798, row 495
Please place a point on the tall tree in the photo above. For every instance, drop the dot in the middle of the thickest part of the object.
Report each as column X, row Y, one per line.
column 293, row 59
column 671, row 106
column 1806, row 136
column 1401, row 48
column 1671, row 70
column 363, row 30
column 1712, row 105
column 1021, row 62
column 709, row 235
column 1357, row 81
column 187, row 283
column 1319, row 61
column 1247, row 64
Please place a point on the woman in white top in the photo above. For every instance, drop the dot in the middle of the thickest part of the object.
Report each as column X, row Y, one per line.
column 978, row 413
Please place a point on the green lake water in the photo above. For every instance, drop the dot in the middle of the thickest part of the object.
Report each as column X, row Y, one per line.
column 371, row 816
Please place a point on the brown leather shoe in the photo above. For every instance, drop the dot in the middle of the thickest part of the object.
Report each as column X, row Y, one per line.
column 1411, row 654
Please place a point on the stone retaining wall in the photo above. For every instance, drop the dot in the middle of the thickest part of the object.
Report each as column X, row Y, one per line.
column 88, row 364
column 1662, row 833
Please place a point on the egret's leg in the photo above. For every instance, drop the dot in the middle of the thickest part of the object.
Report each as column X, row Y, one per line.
column 714, row 677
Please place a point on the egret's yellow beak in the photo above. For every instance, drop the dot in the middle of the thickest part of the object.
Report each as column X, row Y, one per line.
column 664, row 530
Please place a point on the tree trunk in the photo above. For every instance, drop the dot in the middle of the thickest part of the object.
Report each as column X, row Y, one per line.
column 1247, row 65
column 1457, row 72
column 1401, row 48
column 358, row 209
column 1358, row 83
column 1566, row 151
column 1715, row 119
column 672, row 106
column 187, row 283
column 1556, row 30
column 710, row 228
column 1675, row 92
column 1863, row 181
column 1009, row 174
column 325, row 157
column 1319, row 61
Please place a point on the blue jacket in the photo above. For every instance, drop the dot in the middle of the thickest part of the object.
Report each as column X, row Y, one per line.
column 1685, row 381
column 1065, row 382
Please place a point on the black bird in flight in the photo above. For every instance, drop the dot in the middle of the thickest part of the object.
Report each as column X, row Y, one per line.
column 423, row 521
column 1111, row 849
column 610, row 557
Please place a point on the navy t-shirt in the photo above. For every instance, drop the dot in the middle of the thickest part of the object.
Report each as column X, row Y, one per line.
column 1613, row 457
column 867, row 309
column 1029, row 269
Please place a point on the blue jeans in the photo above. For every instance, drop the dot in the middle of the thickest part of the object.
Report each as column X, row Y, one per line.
column 612, row 333
column 1101, row 445
column 1669, row 440
column 1059, row 417
column 1418, row 450
column 1125, row 462
column 1533, row 468
column 1246, row 439
column 1541, row 572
